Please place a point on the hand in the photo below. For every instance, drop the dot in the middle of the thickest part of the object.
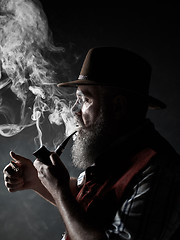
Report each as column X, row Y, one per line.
column 54, row 177
column 25, row 178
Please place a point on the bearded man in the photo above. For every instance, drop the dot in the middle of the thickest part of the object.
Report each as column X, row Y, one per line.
column 130, row 185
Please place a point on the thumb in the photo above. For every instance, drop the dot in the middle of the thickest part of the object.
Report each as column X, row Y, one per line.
column 56, row 161
column 17, row 158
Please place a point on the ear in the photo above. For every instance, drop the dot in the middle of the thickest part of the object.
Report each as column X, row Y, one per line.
column 120, row 106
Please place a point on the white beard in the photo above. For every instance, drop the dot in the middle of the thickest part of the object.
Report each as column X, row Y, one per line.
column 88, row 144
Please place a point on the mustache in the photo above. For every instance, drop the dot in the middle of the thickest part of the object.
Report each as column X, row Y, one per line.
column 79, row 122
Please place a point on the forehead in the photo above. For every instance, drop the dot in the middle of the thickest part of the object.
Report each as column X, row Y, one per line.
column 88, row 90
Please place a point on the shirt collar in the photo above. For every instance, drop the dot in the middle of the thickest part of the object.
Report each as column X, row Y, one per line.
column 116, row 159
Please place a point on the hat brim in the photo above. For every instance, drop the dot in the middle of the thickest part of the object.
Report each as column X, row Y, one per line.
column 78, row 82
column 154, row 103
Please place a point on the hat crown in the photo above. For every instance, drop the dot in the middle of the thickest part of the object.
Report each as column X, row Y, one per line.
column 117, row 67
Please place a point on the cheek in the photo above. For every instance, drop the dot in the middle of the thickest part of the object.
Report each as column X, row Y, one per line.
column 89, row 113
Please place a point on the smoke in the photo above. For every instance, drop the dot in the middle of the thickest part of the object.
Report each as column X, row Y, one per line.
column 29, row 70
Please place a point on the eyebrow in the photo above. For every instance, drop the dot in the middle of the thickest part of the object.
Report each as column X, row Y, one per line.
column 84, row 92
column 79, row 93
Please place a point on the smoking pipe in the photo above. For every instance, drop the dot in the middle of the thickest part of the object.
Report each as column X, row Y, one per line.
column 43, row 153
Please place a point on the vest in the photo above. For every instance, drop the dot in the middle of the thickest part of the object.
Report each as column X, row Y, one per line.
column 102, row 201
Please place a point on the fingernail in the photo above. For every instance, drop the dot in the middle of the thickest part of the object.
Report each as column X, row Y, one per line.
column 53, row 154
column 12, row 154
column 14, row 166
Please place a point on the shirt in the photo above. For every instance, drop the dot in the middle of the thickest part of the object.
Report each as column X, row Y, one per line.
column 149, row 208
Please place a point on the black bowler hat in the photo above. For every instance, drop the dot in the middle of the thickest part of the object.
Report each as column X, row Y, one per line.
column 113, row 66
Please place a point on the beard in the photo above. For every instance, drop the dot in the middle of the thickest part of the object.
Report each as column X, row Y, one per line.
column 89, row 143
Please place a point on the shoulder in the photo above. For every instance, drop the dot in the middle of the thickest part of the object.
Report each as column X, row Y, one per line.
column 157, row 181
column 167, row 164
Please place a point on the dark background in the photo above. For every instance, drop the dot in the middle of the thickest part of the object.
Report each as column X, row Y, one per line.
column 151, row 31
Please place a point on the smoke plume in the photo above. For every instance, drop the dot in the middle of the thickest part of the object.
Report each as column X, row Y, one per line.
column 29, row 70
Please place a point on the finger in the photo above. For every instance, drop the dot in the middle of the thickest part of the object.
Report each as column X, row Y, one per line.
column 41, row 168
column 55, row 159
column 9, row 171
column 17, row 158
column 15, row 188
column 14, row 166
column 57, row 162
column 8, row 177
column 5, row 170
column 38, row 164
column 13, row 180
column 14, row 156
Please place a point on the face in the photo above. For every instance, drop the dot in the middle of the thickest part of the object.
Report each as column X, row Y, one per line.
column 100, row 117
column 88, row 111
column 88, row 104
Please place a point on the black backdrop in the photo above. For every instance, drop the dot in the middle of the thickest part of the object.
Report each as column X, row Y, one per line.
column 153, row 32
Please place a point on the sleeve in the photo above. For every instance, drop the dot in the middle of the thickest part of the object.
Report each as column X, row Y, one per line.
column 146, row 213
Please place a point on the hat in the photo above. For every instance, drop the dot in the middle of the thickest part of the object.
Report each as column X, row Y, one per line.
column 118, row 67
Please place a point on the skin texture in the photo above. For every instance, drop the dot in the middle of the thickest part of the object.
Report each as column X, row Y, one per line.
column 53, row 182
column 25, row 178
column 90, row 104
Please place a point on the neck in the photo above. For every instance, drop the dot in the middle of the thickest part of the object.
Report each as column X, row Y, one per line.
column 121, row 130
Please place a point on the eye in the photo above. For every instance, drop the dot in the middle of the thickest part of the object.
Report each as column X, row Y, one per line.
column 79, row 100
column 86, row 99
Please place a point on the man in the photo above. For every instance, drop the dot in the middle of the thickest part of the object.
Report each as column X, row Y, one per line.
column 130, row 186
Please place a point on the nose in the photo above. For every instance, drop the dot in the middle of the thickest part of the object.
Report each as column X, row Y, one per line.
column 76, row 108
